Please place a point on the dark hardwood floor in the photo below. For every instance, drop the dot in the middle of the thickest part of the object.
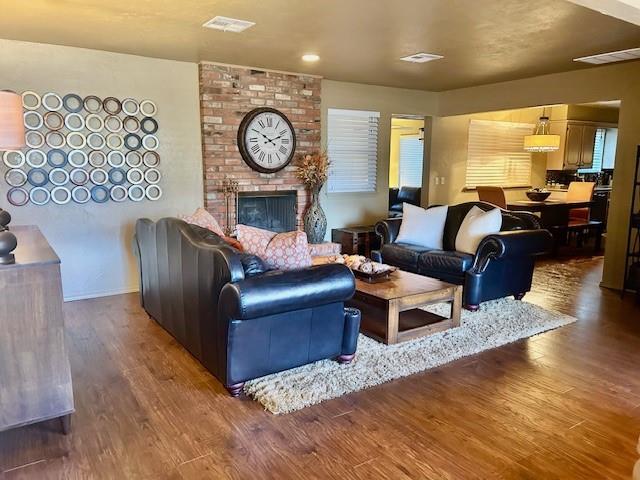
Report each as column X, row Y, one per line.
column 564, row 404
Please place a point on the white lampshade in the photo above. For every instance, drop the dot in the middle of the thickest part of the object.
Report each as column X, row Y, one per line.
column 541, row 143
column 542, row 140
column 11, row 121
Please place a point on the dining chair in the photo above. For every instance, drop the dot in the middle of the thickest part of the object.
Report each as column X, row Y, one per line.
column 580, row 192
column 492, row 195
column 580, row 221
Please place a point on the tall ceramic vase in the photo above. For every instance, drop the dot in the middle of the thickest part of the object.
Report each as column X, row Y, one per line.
column 315, row 221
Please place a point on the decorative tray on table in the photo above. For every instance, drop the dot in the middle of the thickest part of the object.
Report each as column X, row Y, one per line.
column 366, row 269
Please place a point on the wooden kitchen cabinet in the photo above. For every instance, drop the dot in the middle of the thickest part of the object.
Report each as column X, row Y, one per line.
column 576, row 145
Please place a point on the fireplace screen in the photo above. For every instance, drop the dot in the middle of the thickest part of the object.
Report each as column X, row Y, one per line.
column 275, row 211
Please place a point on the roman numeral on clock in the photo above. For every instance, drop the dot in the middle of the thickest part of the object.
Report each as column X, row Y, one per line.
column 255, row 148
column 261, row 156
column 284, row 140
column 269, row 121
column 283, row 150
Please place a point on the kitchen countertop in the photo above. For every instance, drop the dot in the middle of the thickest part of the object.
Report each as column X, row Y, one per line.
column 561, row 189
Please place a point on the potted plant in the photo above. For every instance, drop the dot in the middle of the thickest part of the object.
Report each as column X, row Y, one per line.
column 313, row 170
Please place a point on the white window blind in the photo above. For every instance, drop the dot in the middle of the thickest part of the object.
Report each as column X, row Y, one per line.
column 598, row 152
column 352, row 145
column 496, row 156
column 411, row 155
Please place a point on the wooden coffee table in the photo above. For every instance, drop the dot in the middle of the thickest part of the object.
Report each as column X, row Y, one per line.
column 391, row 310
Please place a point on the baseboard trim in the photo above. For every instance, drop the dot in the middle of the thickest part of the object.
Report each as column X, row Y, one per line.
column 110, row 293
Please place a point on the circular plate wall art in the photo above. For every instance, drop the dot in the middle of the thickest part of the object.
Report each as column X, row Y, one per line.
column 53, row 121
column 84, row 148
column 33, row 120
column 18, row 196
column 13, row 158
column 52, row 101
column 92, row 104
column 72, row 103
column 80, row 194
column 36, row 158
column 77, row 158
column 34, row 139
column 39, row 196
column 76, row 123
column 15, row 177
column 31, row 100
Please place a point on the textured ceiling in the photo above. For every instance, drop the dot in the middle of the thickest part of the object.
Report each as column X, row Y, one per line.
column 483, row 41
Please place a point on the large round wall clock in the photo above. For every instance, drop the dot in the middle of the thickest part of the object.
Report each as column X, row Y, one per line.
column 266, row 140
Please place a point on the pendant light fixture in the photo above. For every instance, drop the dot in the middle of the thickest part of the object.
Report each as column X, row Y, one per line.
column 542, row 140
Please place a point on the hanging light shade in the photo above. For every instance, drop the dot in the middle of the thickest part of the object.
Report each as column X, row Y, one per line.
column 542, row 140
column 11, row 121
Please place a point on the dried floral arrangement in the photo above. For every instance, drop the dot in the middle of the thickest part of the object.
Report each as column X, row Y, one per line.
column 313, row 169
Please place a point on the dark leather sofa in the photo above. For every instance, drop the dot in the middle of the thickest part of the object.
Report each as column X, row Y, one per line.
column 240, row 321
column 502, row 266
column 399, row 196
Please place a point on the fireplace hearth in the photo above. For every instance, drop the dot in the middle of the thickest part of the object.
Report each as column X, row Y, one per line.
column 275, row 211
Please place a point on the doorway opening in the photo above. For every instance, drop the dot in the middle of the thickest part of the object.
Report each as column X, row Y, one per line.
column 406, row 161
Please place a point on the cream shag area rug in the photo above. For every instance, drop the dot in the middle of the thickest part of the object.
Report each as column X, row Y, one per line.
column 496, row 323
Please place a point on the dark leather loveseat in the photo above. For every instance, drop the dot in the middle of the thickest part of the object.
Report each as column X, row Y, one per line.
column 239, row 321
column 400, row 196
column 502, row 265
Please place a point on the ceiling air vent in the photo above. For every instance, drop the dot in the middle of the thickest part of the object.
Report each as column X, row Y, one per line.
column 421, row 58
column 227, row 24
column 611, row 57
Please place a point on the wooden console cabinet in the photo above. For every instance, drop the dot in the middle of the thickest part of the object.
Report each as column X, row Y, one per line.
column 35, row 379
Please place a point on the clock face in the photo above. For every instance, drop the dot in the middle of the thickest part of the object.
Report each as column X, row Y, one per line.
column 266, row 140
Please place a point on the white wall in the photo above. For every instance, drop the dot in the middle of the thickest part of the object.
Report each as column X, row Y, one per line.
column 94, row 240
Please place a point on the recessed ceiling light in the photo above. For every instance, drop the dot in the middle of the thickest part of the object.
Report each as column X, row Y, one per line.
column 310, row 57
column 421, row 57
column 611, row 57
column 227, row 24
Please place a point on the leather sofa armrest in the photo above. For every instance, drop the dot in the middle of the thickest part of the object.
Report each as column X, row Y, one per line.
column 388, row 230
column 278, row 291
column 512, row 244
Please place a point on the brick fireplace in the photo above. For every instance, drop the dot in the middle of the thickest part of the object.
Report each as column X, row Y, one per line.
column 227, row 93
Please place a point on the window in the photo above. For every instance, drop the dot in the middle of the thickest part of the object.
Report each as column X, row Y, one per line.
column 496, row 156
column 352, row 146
column 598, row 152
column 411, row 155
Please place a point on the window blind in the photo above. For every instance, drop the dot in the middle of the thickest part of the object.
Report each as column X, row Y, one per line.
column 496, row 156
column 411, row 159
column 352, row 146
column 598, row 152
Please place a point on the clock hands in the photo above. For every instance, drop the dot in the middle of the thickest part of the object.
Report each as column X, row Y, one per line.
column 260, row 133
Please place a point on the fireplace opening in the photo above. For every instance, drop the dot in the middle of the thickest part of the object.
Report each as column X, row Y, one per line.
column 275, row 211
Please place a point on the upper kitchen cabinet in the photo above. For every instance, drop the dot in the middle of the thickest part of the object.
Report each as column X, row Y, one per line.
column 578, row 142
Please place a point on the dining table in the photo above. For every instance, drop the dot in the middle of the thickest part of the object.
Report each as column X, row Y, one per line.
column 553, row 213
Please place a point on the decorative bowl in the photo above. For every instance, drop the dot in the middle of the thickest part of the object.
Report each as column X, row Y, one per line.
column 374, row 277
column 538, row 195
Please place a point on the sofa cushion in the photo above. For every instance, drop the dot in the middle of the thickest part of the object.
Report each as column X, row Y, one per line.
column 422, row 227
column 282, row 251
column 403, row 255
column 453, row 263
column 203, row 219
column 476, row 225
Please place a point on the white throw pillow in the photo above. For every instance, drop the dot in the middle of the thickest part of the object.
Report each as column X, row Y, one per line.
column 475, row 226
column 422, row 227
